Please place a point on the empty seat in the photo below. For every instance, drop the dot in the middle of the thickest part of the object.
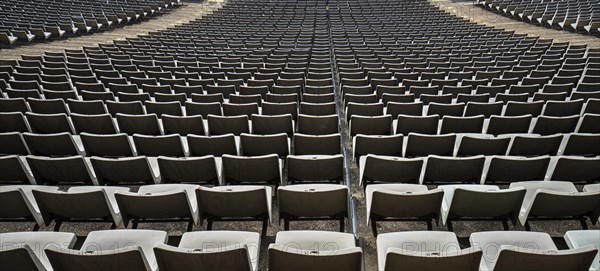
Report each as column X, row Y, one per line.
column 317, row 168
column 462, row 124
column 14, row 171
column 581, row 238
column 389, row 169
column 159, row 203
column 264, row 169
column 425, row 251
column 79, row 204
column 67, row 170
column 582, row 144
column 256, row 145
column 220, row 125
column 113, row 171
column 272, row 124
column 214, row 250
column 317, row 125
column 509, row 124
column 13, row 122
column 543, row 198
column 189, row 170
column 576, row 170
column 235, row 203
column 312, row 250
column 49, row 123
column 110, row 250
column 423, row 145
column 482, row 145
column 183, row 125
column 535, row 145
column 417, row 124
column 114, row 145
column 492, row 204
column 377, row 144
column 453, row 170
column 55, row 145
column 26, row 250
column 513, row 250
column 216, row 145
column 316, row 144
column 553, row 125
column 313, row 202
column 23, row 205
column 95, row 124
column 402, row 202
column 139, row 124
column 516, row 169
column 370, row 125
column 167, row 145
column 12, row 143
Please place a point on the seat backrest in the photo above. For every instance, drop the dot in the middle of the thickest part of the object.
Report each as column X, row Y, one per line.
column 349, row 259
column 131, row 258
column 173, row 258
column 520, row 259
column 463, row 260
column 255, row 169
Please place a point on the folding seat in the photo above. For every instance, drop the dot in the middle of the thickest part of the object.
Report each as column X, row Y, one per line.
column 319, row 168
column 589, row 124
column 129, row 108
column 592, row 106
column 371, row 125
column 576, row 170
column 12, row 143
column 110, row 250
column 526, row 145
column 189, row 170
column 115, row 171
column 86, row 107
column 462, row 124
column 25, row 94
column 389, row 169
column 197, row 251
column 410, row 109
column 312, row 250
column 317, row 125
column 160, row 108
column 493, row 204
column 440, row 99
column 482, row 145
column 14, row 171
column 220, row 125
column 183, row 125
column 49, row 123
column 317, row 109
column 79, row 204
column 509, row 169
column 113, row 145
column 304, row 202
column 138, row 124
column 13, row 105
column 419, row 145
column 216, row 145
column 381, row 145
column 554, row 125
column 256, row 145
column 490, row 90
column 453, row 170
column 67, row 170
column 425, row 251
column 316, row 144
column 53, row 145
column 95, row 124
column 581, row 238
column 516, row 250
column 446, row 109
column 25, row 250
column 360, row 98
column 421, row 204
column 562, row 109
column 235, row 203
column 167, row 145
column 582, row 145
column 508, row 124
column 406, row 124
column 159, row 203
column 272, row 124
column 252, row 170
